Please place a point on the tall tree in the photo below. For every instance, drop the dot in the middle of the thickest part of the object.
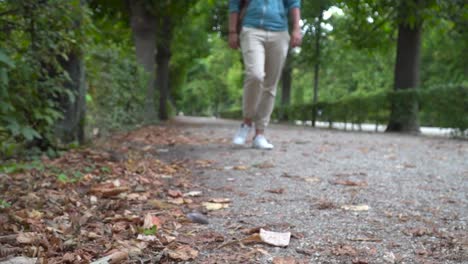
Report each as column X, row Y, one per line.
column 71, row 127
column 404, row 111
column 315, row 35
column 170, row 14
column 144, row 28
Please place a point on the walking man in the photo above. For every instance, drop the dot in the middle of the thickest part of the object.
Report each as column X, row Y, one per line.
column 264, row 40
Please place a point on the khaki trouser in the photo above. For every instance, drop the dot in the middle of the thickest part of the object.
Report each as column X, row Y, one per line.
column 264, row 54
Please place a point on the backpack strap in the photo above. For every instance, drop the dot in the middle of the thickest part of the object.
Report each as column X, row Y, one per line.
column 244, row 4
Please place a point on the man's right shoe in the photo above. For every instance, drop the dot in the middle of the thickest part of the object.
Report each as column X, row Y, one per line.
column 242, row 134
column 260, row 142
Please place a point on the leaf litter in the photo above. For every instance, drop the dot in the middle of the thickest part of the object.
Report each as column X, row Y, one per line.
column 107, row 204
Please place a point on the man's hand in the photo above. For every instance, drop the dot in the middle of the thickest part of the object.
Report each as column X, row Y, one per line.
column 296, row 38
column 234, row 40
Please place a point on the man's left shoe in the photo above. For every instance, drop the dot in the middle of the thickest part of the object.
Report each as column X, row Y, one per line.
column 260, row 142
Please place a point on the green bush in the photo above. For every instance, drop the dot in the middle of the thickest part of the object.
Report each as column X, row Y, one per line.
column 32, row 78
column 438, row 107
column 117, row 87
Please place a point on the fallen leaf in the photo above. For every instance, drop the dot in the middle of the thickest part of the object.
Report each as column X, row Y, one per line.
column 284, row 260
column 345, row 250
column 183, row 253
column 6, row 251
column 177, row 201
column 356, row 208
column 108, row 191
column 264, row 165
column 325, row 204
column 166, row 239
column 366, row 239
column 150, row 220
column 307, row 252
column 389, row 257
column 275, row 238
column 360, row 261
column 277, row 191
column 349, row 183
column 114, row 258
column 147, row 238
column 158, row 204
column 215, row 206
column 193, row 194
column 20, row 260
column 240, row 168
column 27, row 238
column 174, row 193
column 312, row 179
column 220, row 200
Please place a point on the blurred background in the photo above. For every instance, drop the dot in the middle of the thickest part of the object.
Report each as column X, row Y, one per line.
column 71, row 70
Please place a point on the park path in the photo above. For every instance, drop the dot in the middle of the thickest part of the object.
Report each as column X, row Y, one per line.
column 346, row 197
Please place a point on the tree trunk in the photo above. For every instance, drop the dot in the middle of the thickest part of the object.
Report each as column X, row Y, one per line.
column 71, row 127
column 144, row 28
column 286, row 85
column 163, row 58
column 404, row 111
column 318, row 36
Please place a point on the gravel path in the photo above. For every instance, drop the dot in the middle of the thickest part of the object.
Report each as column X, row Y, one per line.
column 411, row 194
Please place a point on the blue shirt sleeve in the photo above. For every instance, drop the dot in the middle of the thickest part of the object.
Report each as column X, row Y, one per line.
column 293, row 4
column 234, row 6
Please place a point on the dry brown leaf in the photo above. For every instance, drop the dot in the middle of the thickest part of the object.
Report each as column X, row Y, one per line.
column 312, row 179
column 20, row 260
column 255, row 238
column 240, row 168
column 177, row 201
column 114, row 258
column 215, row 206
column 193, row 194
column 276, row 191
column 264, row 165
column 349, row 183
column 158, row 204
column 220, row 200
column 183, row 253
column 345, row 250
column 106, row 191
column 150, row 220
column 356, row 208
column 7, row 251
column 284, row 260
column 174, row 193
column 27, row 238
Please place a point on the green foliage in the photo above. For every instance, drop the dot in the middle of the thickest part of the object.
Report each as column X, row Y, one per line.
column 31, row 73
column 214, row 82
column 14, row 167
column 116, row 83
column 439, row 106
column 150, row 231
column 4, row 204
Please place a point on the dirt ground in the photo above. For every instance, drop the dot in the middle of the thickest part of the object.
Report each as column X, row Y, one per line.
column 179, row 192
column 346, row 197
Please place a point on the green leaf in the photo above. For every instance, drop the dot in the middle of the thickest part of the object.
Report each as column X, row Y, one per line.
column 62, row 177
column 151, row 231
column 29, row 133
column 4, row 59
column 4, row 204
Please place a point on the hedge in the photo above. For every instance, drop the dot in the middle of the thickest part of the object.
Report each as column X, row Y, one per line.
column 438, row 107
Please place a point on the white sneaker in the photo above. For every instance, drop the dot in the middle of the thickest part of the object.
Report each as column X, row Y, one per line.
column 260, row 142
column 241, row 135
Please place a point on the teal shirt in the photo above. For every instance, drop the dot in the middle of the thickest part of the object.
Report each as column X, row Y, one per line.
column 271, row 15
